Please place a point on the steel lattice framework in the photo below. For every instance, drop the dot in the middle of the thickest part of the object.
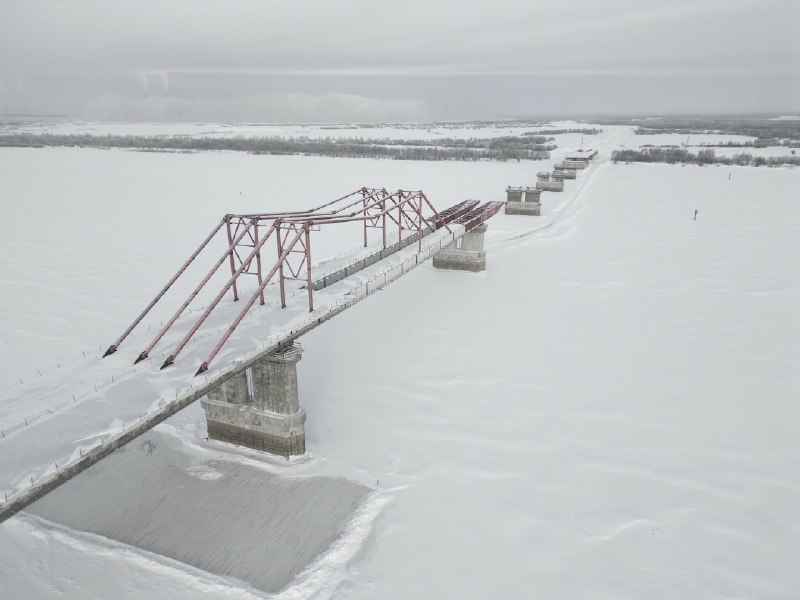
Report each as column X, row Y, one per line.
column 248, row 236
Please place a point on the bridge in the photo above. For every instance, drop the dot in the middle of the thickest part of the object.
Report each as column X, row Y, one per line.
column 248, row 380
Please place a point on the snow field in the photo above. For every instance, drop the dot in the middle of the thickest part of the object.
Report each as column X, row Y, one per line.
column 604, row 413
column 420, row 131
column 106, row 229
column 607, row 412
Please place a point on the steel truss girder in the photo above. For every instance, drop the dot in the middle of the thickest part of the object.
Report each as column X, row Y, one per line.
column 247, row 236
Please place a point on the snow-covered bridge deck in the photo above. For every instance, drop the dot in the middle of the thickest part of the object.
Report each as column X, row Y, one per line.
column 38, row 456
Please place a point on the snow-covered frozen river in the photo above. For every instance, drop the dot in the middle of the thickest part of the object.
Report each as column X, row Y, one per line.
column 609, row 411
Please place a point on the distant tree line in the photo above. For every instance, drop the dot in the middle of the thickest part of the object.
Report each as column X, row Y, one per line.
column 728, row 144
column 768, row 131
column 504, row 124
column 538, row 143
column 673, row 155
column 500, row 148
column 586, row 131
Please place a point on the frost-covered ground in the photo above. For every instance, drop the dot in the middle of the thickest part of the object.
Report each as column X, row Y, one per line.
column 706, row 141
column 608, row 412
column 693, row 139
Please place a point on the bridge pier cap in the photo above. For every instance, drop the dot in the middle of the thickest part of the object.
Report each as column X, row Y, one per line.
column 531, row 205
column 270, row 418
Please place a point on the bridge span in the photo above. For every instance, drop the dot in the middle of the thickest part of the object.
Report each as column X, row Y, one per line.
column 250, row 390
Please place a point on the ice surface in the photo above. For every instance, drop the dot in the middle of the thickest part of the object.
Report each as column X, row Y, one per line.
column 609, row 411
column 227, row 518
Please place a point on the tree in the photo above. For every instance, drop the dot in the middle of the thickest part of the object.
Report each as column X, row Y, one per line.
column 705, row 157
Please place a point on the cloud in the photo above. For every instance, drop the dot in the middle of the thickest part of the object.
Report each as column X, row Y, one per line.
column 268, row 108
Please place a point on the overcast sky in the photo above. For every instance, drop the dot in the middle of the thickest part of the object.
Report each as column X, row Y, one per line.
column 376, row 60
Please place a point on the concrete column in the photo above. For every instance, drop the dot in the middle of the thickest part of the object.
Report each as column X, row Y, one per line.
column 473, row 240
column 514, row 194
column 273, row 420
column 275, row 382
column 233, row 391
column 532, row 194
column 467, row 254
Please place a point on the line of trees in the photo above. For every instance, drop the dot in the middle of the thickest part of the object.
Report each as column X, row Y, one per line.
column 768, row 131
column 728, row 144
column 499, row 149
column 674, row 155
column 586, row 131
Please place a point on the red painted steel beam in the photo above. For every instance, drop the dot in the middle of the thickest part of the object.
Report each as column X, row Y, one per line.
column 113, row 347
column 478, row 215
column 280, row 215
column 403, row 201
column 310, row 282
column 454, row 212
column 146, row 352
column 368, row 205
column 232, row 261
column 360, row 216
column 213, row 305
column 248, row 305
column 370, row 193
column 258, row 254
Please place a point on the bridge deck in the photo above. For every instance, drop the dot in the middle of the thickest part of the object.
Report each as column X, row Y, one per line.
column 40, row 456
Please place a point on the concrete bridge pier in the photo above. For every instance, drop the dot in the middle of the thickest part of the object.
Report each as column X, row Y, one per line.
column 514, row 194
column 465, row 254
column 270, row 419
column 233, row 391
column 531, row 206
